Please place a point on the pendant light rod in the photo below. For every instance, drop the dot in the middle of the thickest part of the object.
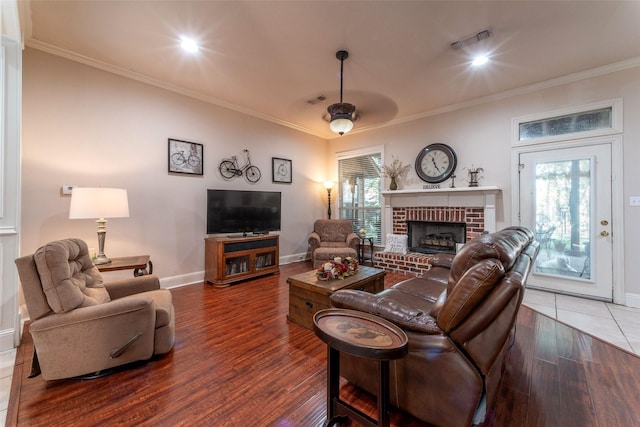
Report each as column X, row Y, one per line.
column 341, row 55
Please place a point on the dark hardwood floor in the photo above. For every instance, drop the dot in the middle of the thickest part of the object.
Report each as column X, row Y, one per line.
column 237, row 361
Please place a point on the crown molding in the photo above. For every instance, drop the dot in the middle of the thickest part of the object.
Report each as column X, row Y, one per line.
column 86, row 60
column 569, row 78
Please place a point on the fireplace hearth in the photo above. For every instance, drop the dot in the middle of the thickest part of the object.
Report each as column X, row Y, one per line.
column 432, row 237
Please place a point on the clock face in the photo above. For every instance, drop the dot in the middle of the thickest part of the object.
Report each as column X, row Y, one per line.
column 436, row 163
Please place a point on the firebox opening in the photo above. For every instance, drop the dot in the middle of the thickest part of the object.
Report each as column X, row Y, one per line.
column 431, row 237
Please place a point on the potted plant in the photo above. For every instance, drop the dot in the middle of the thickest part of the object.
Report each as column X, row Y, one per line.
column 394, row 171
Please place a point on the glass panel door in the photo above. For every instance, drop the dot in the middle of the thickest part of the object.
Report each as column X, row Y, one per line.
column 565, row 196
column 563, row 217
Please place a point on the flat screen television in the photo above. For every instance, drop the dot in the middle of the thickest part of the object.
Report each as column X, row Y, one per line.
column 238, row 211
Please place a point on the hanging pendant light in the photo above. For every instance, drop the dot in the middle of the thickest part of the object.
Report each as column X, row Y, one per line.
column 341, row 114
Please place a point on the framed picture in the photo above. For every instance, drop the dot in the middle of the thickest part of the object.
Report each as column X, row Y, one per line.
column 281, row 170
column 185, row 157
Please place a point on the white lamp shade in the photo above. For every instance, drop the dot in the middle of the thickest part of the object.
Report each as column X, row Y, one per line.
column 98, row 202
column 341, row 126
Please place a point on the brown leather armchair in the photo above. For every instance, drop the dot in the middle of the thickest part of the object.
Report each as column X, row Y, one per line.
column 459, row 318
column 81, row 325
column 332, row 238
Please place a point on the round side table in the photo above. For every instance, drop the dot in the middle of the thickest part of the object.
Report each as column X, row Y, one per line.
column 363, row 335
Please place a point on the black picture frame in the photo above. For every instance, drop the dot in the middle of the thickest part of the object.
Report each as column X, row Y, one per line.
column 185, row 157
column 281, row 170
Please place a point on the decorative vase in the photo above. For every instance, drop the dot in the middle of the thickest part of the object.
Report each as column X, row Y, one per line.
column 393, row 185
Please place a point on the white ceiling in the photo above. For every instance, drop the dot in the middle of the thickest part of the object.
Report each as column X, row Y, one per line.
column 267, row 58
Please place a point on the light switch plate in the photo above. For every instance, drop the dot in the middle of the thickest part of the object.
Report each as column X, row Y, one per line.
column 66, row 189
column 634, row 201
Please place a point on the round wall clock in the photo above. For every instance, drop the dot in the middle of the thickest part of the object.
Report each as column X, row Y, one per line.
column 436, row 163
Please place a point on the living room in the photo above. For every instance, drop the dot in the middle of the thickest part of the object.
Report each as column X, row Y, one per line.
column 83, row 125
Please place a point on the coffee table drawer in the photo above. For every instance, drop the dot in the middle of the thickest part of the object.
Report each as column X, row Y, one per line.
column 303, row 304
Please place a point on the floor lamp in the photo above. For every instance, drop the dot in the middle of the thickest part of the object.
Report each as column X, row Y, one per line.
column 101, row 203
column 329, row 185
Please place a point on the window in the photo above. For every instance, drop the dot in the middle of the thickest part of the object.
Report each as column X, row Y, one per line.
column 570, row 123
column 579, row 122
column 360, row 184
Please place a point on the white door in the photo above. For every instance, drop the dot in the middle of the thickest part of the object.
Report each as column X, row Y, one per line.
column 565, row 196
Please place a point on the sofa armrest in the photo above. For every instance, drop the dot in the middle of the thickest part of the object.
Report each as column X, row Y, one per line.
column 353, row 240
column 134, row 285
column 442, row 260
column 387, row 308
column 314, row 240
column 95, row 313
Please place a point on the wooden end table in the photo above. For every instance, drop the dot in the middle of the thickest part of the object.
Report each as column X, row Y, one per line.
column 140, row 264
column 363, row 335
column 362, row 246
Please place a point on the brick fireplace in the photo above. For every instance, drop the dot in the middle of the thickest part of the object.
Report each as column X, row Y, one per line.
column 473, row 207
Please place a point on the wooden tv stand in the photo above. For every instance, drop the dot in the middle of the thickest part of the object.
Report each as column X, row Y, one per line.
column 231, row 259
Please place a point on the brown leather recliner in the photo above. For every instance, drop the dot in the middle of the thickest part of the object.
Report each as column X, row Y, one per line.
column 459, row 318
column 81, row 325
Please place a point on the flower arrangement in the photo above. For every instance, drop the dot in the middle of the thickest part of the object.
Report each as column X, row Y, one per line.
column 395, row 169
column 337, row 269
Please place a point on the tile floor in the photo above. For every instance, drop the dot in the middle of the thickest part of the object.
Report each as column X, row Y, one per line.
column 7, row 360
column 612, row 323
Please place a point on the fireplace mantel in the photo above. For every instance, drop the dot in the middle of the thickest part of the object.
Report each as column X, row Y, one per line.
column 490, row 189
column 468, row 197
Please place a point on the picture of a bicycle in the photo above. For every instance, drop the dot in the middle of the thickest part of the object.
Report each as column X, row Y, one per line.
column 229, row 169
column 180, row 159
column 185, row 157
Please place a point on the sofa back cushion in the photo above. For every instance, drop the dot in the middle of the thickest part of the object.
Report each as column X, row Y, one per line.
column 469, row 292
column 68, row 277
column 333, row 230
column 504, row 245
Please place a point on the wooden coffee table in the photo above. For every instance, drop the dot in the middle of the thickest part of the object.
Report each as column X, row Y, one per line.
column 308, row 295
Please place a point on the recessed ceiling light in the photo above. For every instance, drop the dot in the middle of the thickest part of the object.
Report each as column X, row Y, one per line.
column 479, row 60
column 189, row 45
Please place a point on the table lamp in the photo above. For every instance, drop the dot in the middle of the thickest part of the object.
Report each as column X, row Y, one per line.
column 101, row 203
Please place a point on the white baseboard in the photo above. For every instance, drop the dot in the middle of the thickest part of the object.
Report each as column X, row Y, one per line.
column 7, row 338
column 293, row 258
column 182, row 280
column 632, row 300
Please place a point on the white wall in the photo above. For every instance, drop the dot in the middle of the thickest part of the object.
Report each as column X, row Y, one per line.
column 86, row 127
column 481, row 137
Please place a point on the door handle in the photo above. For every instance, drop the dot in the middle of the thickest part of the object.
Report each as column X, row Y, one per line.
column 604, row 233
column 604, row 222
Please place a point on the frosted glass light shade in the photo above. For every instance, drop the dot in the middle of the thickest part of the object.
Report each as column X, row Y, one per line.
column 98, row 202
column 341, row 126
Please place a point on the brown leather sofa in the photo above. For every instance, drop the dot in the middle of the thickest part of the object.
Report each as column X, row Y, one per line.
column 460, row 320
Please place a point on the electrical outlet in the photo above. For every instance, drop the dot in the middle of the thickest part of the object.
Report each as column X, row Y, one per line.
column 66, row 189
column 634, row 201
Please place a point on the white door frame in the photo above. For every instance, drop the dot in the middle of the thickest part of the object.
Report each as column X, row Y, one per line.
column 617, row 198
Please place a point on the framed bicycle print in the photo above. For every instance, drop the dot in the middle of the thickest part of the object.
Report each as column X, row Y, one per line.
column 281, row 170
column 185, row 157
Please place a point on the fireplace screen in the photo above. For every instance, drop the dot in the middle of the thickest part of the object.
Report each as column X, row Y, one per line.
column 429, row 237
